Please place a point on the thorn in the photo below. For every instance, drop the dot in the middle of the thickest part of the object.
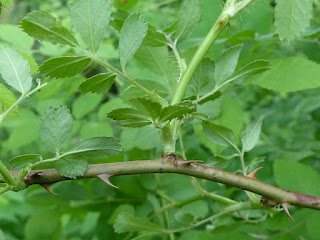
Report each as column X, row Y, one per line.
column 180, row 162
column 285, row 207
column 105, row 177
column 253, row 173
column 46, row 186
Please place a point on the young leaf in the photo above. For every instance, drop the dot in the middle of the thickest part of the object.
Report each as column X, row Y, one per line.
column 174, row 111
column 289, row 75
column 97, row 148
column 125, row 222
column 44, row 27
column 99, row 83
column 71, row 166
column 146, row 106
column 15, row 70
column 90, row 19
column 61, row 67
column 190, row 16
column 226, row 64
column 292, row 18
column 7, row 98
column 55, row 128
column 251, row 134
column 21, row 161
column 296, row 177
column 132, row 34
column 130, row 117
column 218, row 134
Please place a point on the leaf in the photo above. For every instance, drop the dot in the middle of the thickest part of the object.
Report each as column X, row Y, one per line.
column 44, row 27
column 99, row 83
column 21, row 161
column 7, row 98
column 226, row 64
column 251, row 134
column 292, row 18
column 132, row 34
column 289, row 75
column 71, row 166
column 125, row 222
column 174, row 111
column 146, row 106
column 218, row 134
column 97, row 148
column 130, row 117
column 55, row 128
column 154, row 38
column 90, row 19
column 190, row 16
column 89, row 100
column 183, row 217
column 296, row 177
column 15, row 70
column 61, row 67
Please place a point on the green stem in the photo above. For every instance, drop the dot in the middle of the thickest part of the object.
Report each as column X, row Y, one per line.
column 7, row 177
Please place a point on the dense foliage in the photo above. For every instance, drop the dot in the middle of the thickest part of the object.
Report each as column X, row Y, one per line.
column 96, row 83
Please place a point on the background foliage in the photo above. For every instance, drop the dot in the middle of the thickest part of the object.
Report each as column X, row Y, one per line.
column 288, row 149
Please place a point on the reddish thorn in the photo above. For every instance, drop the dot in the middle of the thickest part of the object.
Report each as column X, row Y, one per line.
column 253, row 173
column 105, row 177
column 285, row 207
column 46, row 186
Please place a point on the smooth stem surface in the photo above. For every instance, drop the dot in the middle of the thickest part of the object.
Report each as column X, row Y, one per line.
column 164, row 165
column 6, row 175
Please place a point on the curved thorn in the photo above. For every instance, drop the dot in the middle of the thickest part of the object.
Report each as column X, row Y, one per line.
column 46, row 186
column 253, row 173
column 285, row 207
column 105, row 177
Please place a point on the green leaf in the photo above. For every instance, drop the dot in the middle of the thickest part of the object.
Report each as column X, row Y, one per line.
column 97, row 148
column 183, row 217
column 7, row 98
column 289, row 75
column 132, row 34
column 154, row 38
column 71, row 166
column 189, row 18
column 84, row 104
column 55, row 128
column 174, row 111
column 125, row 222
column 44, row 27
column 296, row 177
column 146, row 106
column 251, row 134
column 292, row 18
column 90, row 19
column 7, row 3
column 218, row 134
column 99, row 83
column 61, row 67
column 130, row 117
column 15, row 70
column 226, row 64
column 21, row 161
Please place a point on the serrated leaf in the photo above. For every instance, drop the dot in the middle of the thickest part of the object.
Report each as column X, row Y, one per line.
column 125, row 222
column 97, row 148
column 132, row 34
column 61, row 67
column 15, row 70
column 292, row 18
column 71, row 166
column 218, row 134
column 135, row 123
column 174, row 111
column 7, row 98
column 55, row 128
column 99, row 83
column 21, row 161
column 90, row 19
column 189, row 18
column 44, row 27
column 296, row 177
column 90, row 100
column 226, row 64
column 130, row 117
column 146, row 106
column 289, row 75
column 154, row 38
column 251, row 135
